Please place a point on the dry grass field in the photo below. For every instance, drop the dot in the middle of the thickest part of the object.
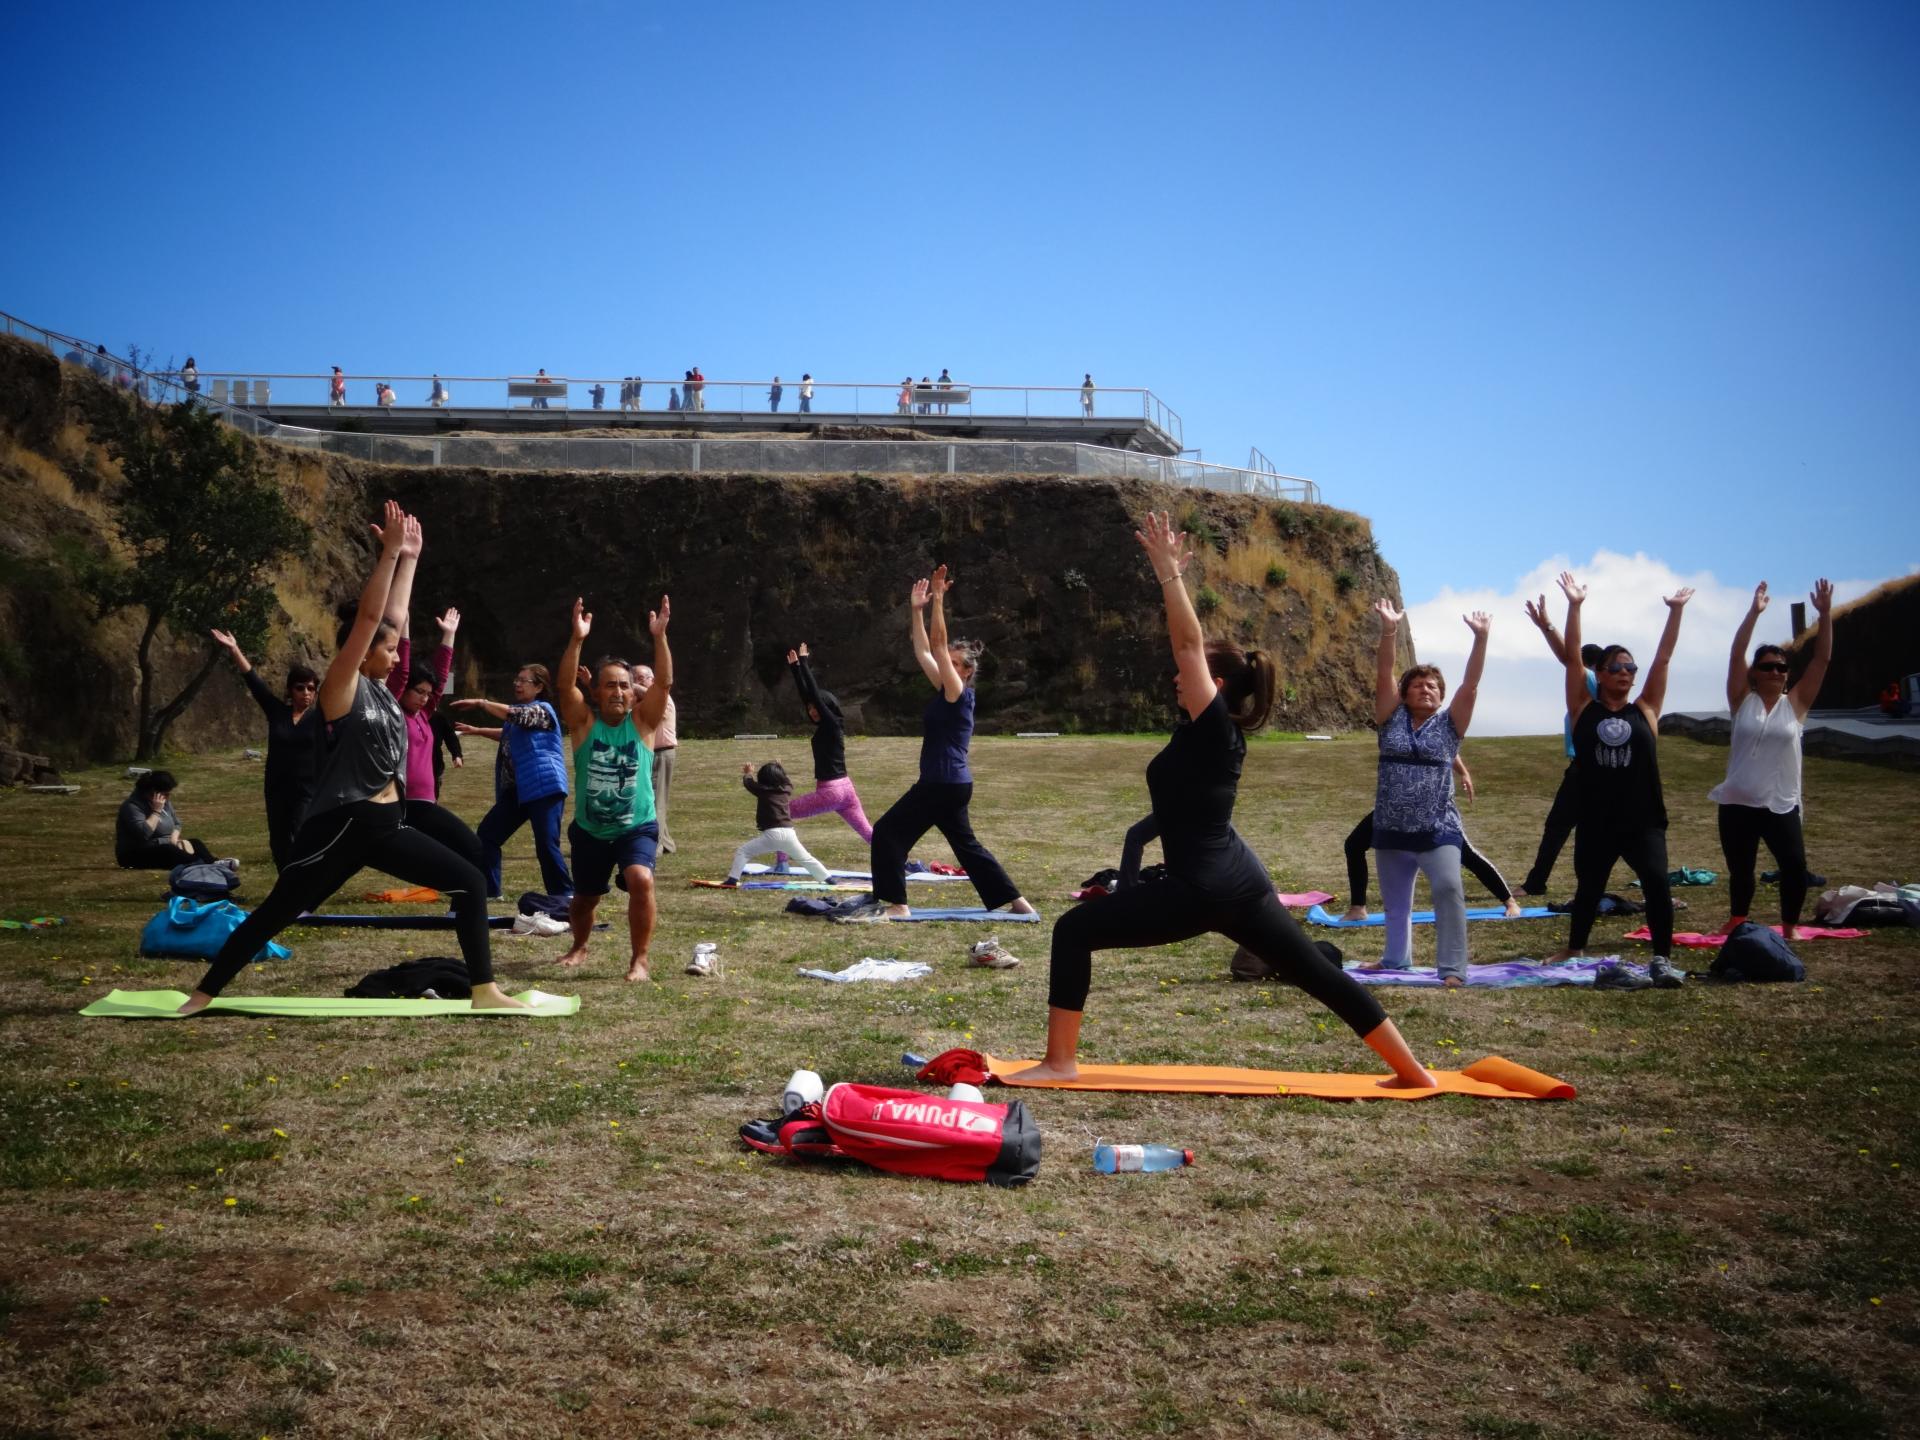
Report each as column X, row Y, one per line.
column 242, row 1228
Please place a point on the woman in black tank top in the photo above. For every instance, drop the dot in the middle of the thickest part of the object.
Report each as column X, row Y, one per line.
column 1215, row 883
column 1620, row 810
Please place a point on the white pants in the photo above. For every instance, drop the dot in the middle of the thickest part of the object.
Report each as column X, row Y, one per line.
column 768, row 842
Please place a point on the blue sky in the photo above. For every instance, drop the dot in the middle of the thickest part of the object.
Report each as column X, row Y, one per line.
column 1516, row 280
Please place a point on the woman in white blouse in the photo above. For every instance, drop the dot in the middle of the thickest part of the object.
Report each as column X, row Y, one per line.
column 1760, row 798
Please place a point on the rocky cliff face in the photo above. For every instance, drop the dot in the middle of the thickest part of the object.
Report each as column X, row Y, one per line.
column 1047, row 575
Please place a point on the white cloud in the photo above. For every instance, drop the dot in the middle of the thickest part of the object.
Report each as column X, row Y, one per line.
column 1520, row 691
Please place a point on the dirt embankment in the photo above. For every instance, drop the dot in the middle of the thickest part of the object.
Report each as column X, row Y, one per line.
column 1047, row 575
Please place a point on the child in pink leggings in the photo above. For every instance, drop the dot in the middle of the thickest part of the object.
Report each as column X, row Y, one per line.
column 833, row 791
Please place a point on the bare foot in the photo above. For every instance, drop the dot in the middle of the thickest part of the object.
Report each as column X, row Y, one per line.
column 1355, row 912
column 1043, row 1073
column 1513, row 907
column 492, row 997
column 1022, row 906
column 196, row 1002
column 899, row 912
column 1561, row 957
column 638, row 970
column 572, row 958
column 1453, row 982
column 1425, row 1081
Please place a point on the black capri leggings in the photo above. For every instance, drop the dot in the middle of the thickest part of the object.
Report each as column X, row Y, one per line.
column 929, row 806
column 331, row 848
column 1360, row 840
column 1742, row 828
column 1595, row 849
column 1173, row 910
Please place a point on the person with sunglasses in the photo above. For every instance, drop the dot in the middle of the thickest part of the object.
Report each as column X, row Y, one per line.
column 293, row 743
column 1620, row 810
column 1760, row 798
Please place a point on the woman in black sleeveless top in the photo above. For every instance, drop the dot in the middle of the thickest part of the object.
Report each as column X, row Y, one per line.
column 1214, row 883
column 1620, row 811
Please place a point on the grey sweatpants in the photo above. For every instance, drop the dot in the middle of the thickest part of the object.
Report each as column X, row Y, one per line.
column 1441, row 866
column 662, row 792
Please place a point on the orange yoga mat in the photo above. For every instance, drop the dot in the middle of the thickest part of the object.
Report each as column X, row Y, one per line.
column 1491, row 1078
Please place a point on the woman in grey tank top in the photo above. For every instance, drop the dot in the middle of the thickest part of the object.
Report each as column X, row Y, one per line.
column 356, row 819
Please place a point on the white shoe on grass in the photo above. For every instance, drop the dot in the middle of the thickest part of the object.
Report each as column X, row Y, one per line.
column 992, row 955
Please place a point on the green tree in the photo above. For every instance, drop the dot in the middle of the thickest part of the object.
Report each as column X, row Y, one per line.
column 202, row 523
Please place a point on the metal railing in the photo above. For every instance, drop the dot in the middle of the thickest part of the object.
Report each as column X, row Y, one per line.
column 865, row 400
column 643, row 454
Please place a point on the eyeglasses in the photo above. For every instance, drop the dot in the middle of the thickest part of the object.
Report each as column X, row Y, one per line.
column 1628, row 668
column 1772, row 667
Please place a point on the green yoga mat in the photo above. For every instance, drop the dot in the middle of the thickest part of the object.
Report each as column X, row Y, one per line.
column 160, row 1005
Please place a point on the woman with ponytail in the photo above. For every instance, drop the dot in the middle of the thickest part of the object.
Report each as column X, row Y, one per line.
column 1416, row 827
column 1215, row 884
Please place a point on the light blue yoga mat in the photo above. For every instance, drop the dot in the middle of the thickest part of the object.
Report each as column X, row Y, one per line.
column 1319, row 915
column 1507, row 975
column 973, row 912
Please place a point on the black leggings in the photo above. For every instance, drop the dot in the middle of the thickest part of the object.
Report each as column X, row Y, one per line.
column 930, row 806
column 1174, row 910
column 335, row 845
column 1560, row 819
column 163, row 855
column 1360, row 840
column 285, row 805
column 1742, row 828
column 1595, row 849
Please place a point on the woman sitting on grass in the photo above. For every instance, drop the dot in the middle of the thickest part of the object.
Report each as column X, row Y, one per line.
column 1620, row 812
column 1416, row 826
column 1760, row 798
column 146, row 833
column 1215, row 884
column 357, row 816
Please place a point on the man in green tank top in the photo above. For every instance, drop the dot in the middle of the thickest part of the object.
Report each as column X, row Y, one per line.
column 613, row 827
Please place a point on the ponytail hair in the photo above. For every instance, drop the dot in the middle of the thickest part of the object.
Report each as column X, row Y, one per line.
column 1247, row 679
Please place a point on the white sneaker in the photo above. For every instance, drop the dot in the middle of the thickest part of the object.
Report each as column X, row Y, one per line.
column 992, row 955
column 542, row 925
column 702, row 963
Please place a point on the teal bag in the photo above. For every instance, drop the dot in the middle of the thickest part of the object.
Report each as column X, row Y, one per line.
column 190, row 929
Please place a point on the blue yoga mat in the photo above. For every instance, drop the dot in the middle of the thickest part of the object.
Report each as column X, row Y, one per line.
column 1319, row 915
column 399, row 922
column 972, row 912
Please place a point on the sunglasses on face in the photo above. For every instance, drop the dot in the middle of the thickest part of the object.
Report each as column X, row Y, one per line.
column 1623, row 668
column 1771, row 667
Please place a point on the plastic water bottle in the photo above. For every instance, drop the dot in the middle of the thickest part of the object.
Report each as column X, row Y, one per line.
column 1126, row 1159
column 803, row 1088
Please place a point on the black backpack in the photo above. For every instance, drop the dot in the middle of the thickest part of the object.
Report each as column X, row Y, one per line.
column 444, row 975
column 1758, row 954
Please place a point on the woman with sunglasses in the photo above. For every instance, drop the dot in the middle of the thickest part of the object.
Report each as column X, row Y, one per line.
column 1760, row 798
column 1620, row 811
column 293, row 743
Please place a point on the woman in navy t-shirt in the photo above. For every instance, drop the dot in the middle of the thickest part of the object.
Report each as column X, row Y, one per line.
column 938, row 799
column 1215, row 883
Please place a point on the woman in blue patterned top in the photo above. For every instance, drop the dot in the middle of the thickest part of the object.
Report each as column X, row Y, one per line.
column 1416, row 827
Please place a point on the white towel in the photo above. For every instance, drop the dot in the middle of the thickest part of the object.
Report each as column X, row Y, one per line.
column 872, row 969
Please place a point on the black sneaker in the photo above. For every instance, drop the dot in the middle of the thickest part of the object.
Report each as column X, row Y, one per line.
column 1663, row 973
column 1618, row 977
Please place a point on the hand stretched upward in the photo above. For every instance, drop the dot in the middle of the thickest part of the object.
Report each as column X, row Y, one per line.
column 1168, row 550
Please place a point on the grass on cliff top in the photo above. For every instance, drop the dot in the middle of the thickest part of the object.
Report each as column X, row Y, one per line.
column 241, row 1228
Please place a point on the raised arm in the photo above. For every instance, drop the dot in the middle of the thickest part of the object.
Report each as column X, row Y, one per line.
column 917, row 601
column 950, row 682
column 1168, row 551
column 270, row 704
column 574, row 713
column 1737, row 658
column 803, row 680
column 1807, row 689
column 449, row 624
column 400, row 596
column 1575, row 672
column 1386, row 694
column 1537, row 613
column 1653, row 688
column 337, row 687
column 496, row 708
column 652, row 708
column 1468, row 691
column 224, row 639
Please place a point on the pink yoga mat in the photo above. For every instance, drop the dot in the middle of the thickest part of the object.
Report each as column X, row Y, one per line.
column 1694, row 940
